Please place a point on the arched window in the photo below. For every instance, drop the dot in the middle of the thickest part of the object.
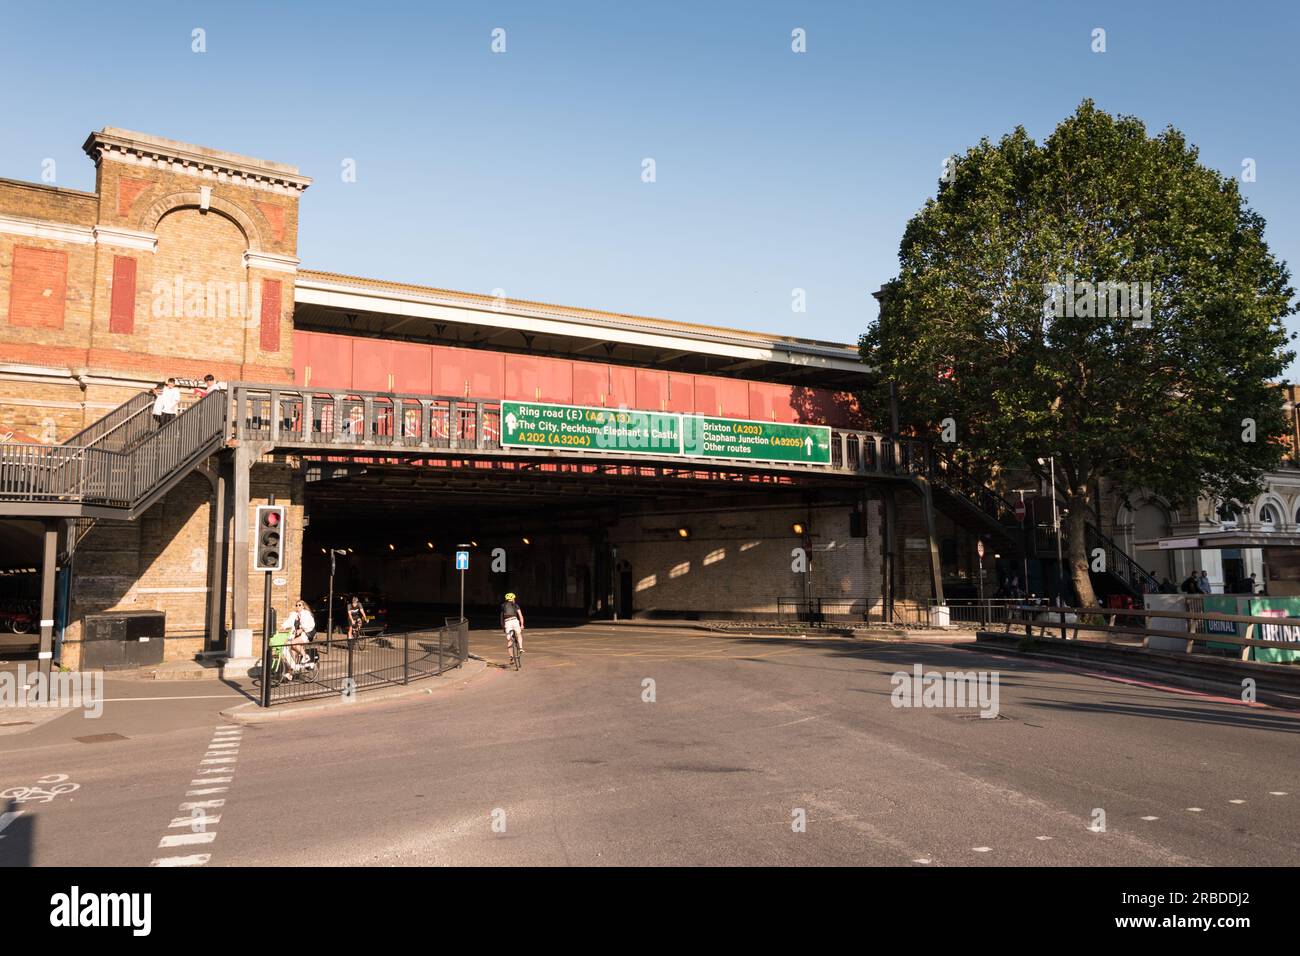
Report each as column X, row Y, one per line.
column 1228, row 513
column 1267, row 517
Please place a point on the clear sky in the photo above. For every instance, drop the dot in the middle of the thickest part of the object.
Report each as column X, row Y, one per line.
column 522, row 170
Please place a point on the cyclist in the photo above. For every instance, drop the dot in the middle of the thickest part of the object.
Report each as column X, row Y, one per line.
column 512, row 622
column 302, row 625
column 357, row 617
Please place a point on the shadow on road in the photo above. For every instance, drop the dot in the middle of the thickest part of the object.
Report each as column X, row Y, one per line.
column 17, row 835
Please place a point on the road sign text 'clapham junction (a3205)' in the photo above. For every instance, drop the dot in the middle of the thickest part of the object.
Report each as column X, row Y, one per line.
column 576, row 427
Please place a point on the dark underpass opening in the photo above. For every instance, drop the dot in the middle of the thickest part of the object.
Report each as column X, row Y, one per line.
column 578, row 542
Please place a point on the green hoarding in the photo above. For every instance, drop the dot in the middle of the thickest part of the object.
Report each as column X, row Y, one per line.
column 580, row 427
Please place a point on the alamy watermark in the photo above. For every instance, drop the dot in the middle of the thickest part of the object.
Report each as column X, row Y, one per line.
column 181, row 298
column 1104, row 299
column 968, row 689
column 84, row 689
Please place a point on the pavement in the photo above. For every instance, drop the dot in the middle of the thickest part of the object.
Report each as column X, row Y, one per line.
column 653, row 746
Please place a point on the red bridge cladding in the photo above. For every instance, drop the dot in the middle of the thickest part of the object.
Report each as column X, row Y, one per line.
column 325, row 361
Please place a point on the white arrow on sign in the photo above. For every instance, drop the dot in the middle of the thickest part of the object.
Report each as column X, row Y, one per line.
column 807, row 444
column 511, row 421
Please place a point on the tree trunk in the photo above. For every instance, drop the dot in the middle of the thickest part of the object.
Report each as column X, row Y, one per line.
column 1078, row 557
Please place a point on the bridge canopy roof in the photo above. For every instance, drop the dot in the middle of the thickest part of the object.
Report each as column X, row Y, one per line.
column 330, row 302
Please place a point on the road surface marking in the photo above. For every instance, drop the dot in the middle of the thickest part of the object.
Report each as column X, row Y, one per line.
column 1193, row 809
column 1150, row 818
column 1277, row 793
column 981, row 849
column 1042, row 838
column 190, row 821
column 922, row 860
column 197, row 859
column 1236, row 801
column 186, row 839
column 123, row 700
column 222, row 749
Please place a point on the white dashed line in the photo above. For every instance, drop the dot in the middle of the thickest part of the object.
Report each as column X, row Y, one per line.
column 1149, row 819
column 1236, row 801
column 222, row 750
column 190, row 821
column 1042, row 838
column 197, row 859
column 981, row 849
column 1193, row 809
column 921, row 861
column 1277, row 793
column 186, row 839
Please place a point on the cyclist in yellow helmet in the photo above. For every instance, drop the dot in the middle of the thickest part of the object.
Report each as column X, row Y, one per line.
column 512, row 622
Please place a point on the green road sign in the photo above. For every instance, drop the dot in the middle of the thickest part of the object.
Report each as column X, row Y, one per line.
column 541, row 425
column 578, row 427
column 704, row 437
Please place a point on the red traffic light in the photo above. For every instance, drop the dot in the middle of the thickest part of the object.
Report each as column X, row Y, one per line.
column 271, row 518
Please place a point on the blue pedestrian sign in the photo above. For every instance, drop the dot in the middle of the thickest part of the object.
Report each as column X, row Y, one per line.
column 462, row 560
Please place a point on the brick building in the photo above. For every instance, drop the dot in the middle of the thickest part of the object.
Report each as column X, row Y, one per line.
column 182, row 262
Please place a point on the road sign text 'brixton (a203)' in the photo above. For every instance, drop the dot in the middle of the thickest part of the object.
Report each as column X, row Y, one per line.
column 634, row 431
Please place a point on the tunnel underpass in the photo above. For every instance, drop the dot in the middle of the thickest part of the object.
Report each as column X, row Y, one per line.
column 583, row 541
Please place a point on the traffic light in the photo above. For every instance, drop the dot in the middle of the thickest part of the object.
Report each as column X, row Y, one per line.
column 269, row 540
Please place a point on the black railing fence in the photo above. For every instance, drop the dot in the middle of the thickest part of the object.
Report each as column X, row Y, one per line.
column 125, row 461
column 343, row 667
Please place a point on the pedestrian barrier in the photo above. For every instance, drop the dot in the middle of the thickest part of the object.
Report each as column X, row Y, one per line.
column 1199, row 632
column 344, row 667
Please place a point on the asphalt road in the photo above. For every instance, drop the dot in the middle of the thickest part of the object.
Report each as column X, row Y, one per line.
column 569, row 762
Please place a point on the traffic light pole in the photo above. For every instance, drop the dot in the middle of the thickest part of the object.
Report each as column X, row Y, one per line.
column 268, row 627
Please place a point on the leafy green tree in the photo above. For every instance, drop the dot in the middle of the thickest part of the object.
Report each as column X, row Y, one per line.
column 995, row 321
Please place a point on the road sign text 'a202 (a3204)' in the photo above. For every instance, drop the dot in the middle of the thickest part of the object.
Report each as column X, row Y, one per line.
column 633, row 431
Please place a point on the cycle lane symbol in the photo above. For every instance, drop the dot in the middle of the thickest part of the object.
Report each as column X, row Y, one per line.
column 44, row 791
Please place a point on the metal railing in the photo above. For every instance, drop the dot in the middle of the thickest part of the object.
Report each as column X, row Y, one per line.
column 114, row 478
column 346, row 666
column 117, row 430
column 1203, row 631
column 320, row 418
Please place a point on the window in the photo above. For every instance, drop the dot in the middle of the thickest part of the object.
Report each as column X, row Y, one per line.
column 1267, row 517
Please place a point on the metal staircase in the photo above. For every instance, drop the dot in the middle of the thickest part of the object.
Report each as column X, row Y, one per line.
column 116, row 468
column 970, row 502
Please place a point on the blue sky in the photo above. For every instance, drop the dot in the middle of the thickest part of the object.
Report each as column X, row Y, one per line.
column 522, row 171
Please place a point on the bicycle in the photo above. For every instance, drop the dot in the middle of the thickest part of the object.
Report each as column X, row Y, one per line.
column 516, row 652
column 282, row 670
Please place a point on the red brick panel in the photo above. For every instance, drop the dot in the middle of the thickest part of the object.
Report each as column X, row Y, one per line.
column 651, row 389
column 531, row 378
column 622, row 387
column 728, row 397
column 370, row 364
column 38, row 291
column 465, row 372
column 121, row 317
column 128, row 190
column 681, row 392
column 412, row 368
column 590, row 383
column 270, row 315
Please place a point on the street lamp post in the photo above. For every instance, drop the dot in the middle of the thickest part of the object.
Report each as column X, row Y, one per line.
column 1056, row 526
column 1024, row 551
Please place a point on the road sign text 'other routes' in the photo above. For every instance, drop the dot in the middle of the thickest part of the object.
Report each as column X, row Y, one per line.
column 539, row 424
